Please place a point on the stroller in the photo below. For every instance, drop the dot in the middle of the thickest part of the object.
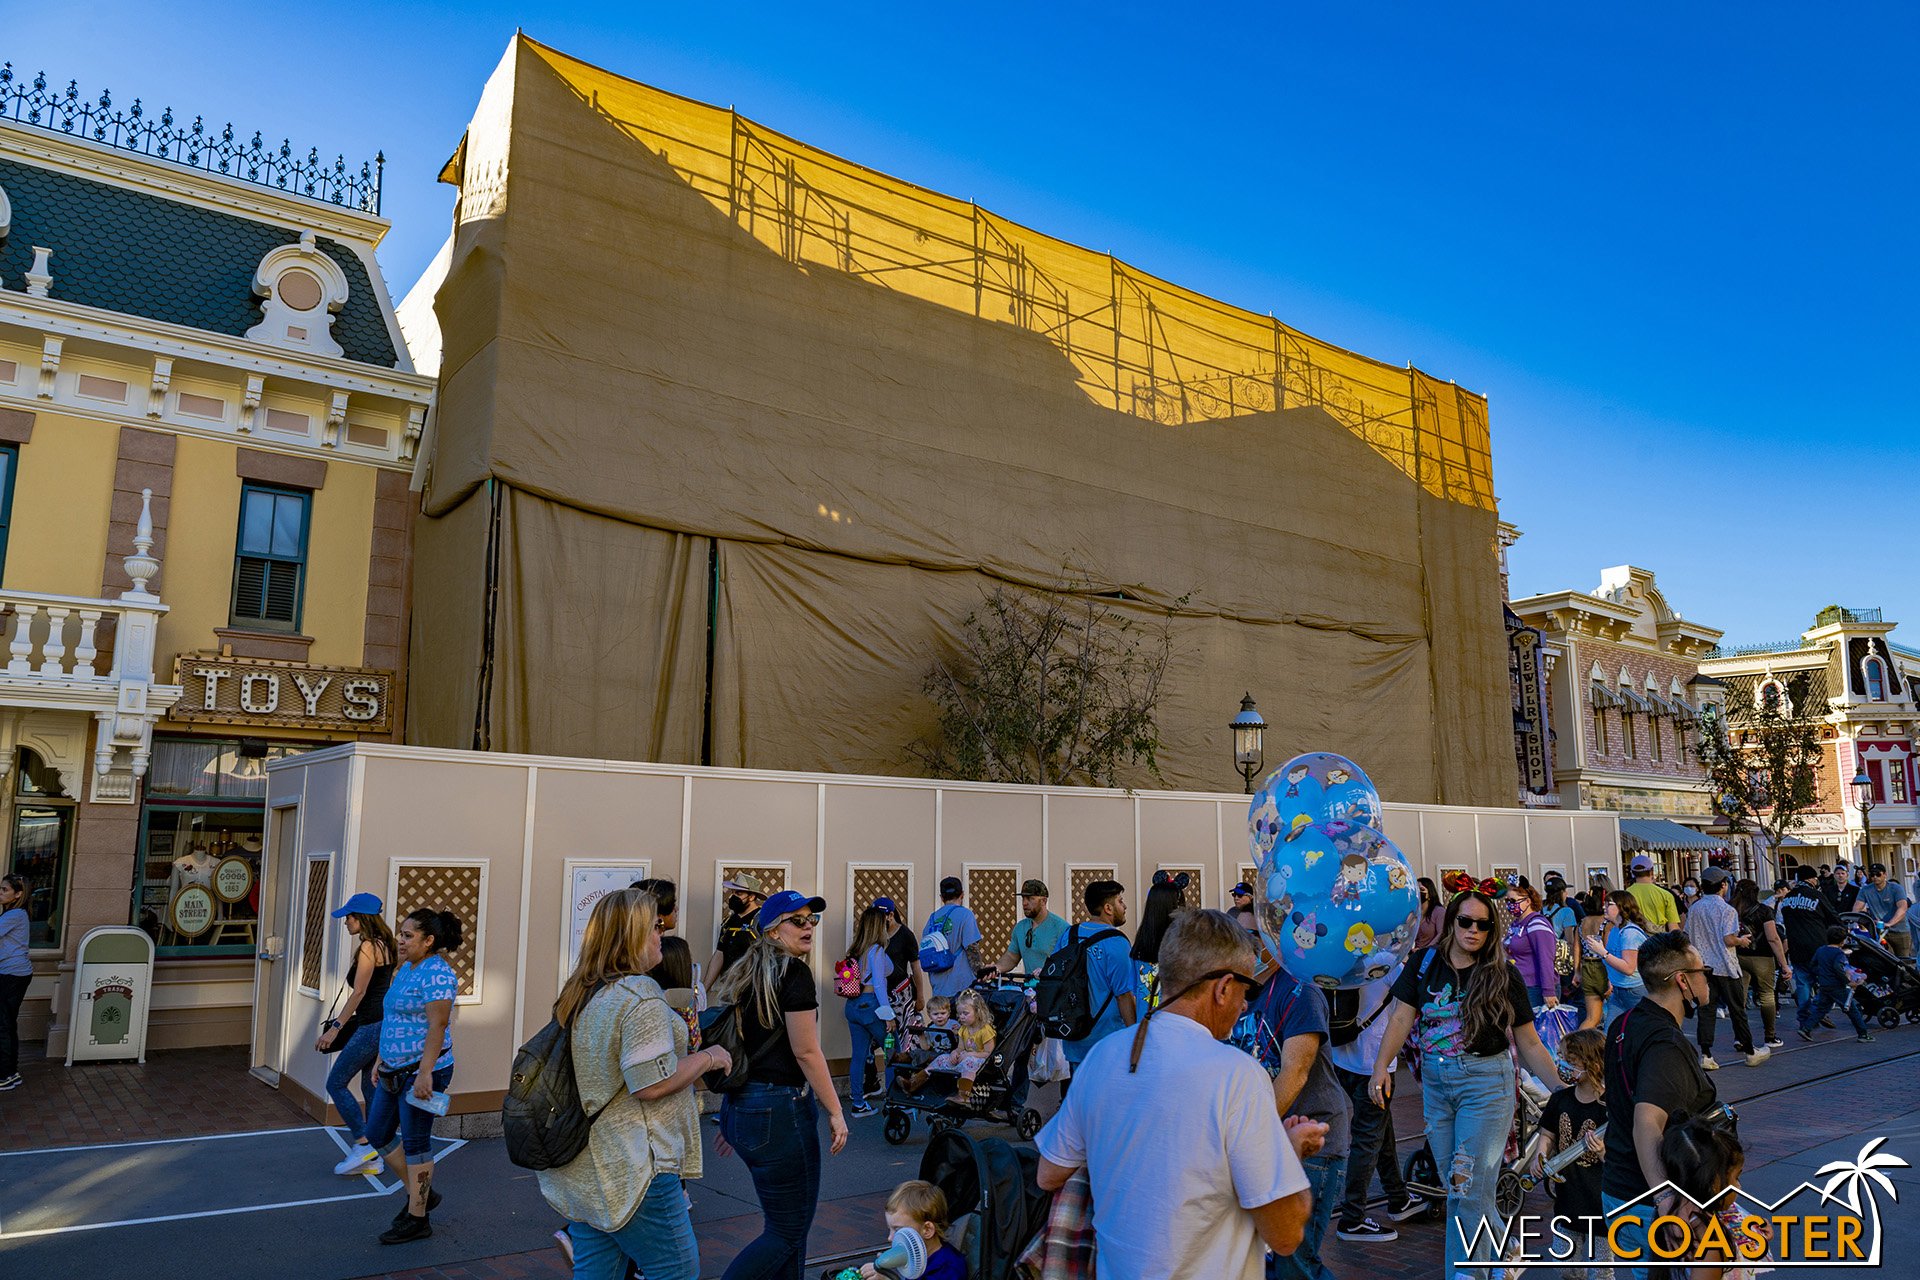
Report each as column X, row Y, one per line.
column 1526, row 1141
column 1000, row 1090
column 1892, row 988
column 993, row 1196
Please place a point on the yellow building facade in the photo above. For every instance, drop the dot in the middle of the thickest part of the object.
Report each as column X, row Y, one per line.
column 207, row 427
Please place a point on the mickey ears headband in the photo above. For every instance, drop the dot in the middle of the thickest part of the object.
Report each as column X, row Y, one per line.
column 1460, row 882
column 1178, row 879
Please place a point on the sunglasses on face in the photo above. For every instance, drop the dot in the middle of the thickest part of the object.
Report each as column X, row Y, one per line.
column 1473, row 924
column 806, row 921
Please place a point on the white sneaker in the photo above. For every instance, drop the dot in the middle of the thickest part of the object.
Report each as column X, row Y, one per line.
column 1707, row 1063
column 358, row 1160
column 1759, row 1056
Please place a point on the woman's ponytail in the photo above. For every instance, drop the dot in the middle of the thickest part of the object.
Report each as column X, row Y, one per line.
column 442, row 926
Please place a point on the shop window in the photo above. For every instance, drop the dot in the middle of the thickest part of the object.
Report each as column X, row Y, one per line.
column 42, row 846
column 9, row 463
column 270, row 561
column 1897, row 780
column 197, row 880
column 1626, row 734
column 1599, row 731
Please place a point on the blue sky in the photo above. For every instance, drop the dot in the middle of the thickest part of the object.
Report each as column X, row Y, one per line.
column 1672, row 243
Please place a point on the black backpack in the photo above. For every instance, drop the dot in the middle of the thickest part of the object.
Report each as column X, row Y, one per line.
column 1062, row 993
column 542, row 1119
column 723, row 1027
column 1344, row 1023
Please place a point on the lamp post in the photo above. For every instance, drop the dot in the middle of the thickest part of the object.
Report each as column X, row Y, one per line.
column 1863, row 796
column 1247, row 728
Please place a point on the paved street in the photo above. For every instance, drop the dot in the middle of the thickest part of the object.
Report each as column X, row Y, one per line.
column 110, row 1162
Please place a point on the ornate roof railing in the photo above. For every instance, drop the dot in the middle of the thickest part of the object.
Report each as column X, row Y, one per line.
column 96, row 120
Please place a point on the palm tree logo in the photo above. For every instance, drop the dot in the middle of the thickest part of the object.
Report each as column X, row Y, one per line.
column 1855, row 1180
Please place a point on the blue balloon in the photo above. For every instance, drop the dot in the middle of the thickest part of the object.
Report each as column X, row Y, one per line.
column 1336, row 903
column 1308, row 789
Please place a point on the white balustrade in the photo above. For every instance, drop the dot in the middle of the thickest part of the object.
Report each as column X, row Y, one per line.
column 53, row 639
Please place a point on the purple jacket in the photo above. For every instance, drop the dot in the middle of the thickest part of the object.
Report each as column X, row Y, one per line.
column 1530, row 943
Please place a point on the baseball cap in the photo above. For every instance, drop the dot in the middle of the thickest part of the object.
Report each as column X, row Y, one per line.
column 1243, row 888
column 785, row 903
column 1714, row 875
column 1034, row 889
column 1877, row 869
column 886, row 905
column 1641, row 862
column 745, row 882
column 360, row 904
column 950, row 887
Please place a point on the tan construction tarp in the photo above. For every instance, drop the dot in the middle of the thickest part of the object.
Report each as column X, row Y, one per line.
column 670, row 335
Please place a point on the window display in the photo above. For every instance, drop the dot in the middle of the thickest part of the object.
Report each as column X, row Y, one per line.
column 197, row 889
column 42, row 846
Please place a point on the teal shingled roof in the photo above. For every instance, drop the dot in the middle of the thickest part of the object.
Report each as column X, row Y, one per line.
column 125, row 250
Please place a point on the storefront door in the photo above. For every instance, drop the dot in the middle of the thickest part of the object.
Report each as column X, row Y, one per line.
column 272, row 977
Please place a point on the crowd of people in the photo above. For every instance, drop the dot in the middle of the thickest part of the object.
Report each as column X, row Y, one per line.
column 1270, row 1098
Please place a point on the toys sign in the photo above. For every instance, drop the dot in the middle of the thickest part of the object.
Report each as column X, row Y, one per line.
column 256, row 691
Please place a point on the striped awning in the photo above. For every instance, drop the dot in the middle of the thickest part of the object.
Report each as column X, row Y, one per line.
column 1658, row 835
column 1635, row 702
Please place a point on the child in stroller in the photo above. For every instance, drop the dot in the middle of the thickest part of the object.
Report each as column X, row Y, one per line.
column 1892, row 987
column 974, row 1041
column 997, row 1090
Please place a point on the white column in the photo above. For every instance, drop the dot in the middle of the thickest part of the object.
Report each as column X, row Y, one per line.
column 54, row 652
column 22, row 644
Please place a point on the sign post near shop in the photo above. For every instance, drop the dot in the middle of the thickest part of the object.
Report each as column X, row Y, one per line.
column 112, row 991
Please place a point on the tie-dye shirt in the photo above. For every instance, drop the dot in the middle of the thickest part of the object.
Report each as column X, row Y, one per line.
column 1435, row 989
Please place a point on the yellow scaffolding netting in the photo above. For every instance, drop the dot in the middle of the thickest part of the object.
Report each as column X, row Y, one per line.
column 1139, row 345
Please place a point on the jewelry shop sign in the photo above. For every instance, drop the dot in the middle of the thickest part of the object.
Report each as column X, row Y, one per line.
column 261, row 692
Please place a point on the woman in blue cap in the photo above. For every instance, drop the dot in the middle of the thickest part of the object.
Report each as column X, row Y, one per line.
column 353, row 1032
column 772, row 1121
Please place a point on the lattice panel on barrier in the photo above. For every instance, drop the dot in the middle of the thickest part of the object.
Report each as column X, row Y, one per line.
column 1078, row 880
column 313, row 942
column 994, row 895
column 1195, row 894
column 879, row 882
column 446, row 888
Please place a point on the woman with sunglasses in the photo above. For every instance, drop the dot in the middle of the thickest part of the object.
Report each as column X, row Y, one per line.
column 773, row 1121
column 1464, row 998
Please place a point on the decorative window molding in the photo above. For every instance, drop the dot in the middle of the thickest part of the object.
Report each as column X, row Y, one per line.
column 993, row 894
column 869, row 880
column 458, row 885
column 1873, row 678
column 1079, row 876
column 313, row 929
column 300, row 289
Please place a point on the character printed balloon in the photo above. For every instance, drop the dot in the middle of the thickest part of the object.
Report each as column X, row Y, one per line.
column 1316, row 787
column 1336, row 903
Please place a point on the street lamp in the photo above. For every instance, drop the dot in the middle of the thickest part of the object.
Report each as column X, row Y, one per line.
column 1863, row 796
column 1247, row 730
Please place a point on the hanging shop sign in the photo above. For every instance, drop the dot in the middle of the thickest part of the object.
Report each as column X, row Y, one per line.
column 233, row 878
column 192, row 911
column 263, row 693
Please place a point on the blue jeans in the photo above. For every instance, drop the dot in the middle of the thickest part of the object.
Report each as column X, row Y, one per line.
column 1823, row 1003
column 1619, row 1000
column 1469, row 1104
column 354, row 1062
column 868, row 1033
column 1631, row 1235
column 775, row 1128
column 1802, row 987
column 1326, row 1176
column 391, row 1113
column 658, row 1239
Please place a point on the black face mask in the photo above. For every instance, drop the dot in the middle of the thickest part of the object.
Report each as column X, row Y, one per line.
column 736, row 903
column 1688, row 1005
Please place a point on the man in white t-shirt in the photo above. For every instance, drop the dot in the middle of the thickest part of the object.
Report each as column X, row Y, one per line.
column 1192, row 1171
